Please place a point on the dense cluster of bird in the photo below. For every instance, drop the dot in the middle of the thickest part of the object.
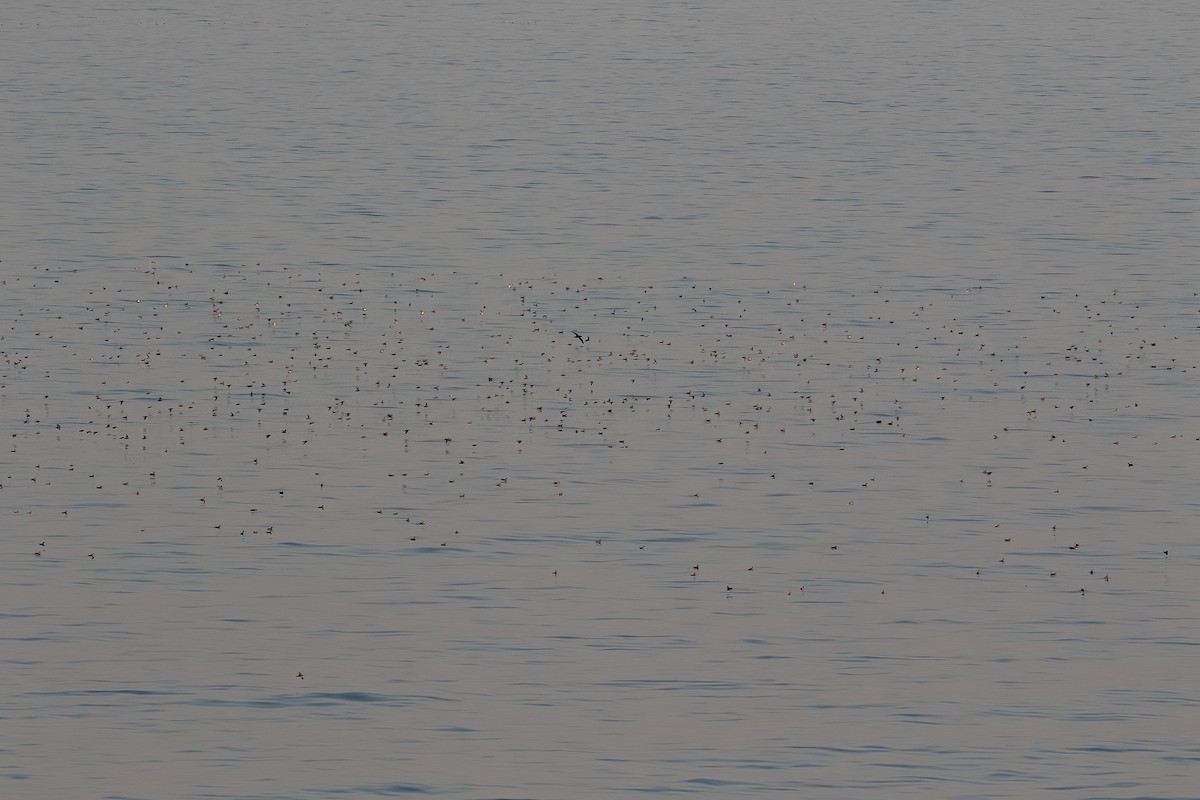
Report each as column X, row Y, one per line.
column 713, row 422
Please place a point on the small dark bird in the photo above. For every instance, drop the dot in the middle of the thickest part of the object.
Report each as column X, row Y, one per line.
column 579, row 336
column 91, row 555
column 300, row 675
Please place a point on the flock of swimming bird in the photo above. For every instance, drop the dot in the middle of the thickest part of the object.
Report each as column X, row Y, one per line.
column 252, row 394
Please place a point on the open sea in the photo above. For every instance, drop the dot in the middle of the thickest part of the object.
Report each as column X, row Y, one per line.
column 573, row 401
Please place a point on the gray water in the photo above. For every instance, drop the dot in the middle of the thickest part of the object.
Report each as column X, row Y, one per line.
column 606, row 400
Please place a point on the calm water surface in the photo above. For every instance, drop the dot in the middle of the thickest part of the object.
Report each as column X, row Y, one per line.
column 771, row 400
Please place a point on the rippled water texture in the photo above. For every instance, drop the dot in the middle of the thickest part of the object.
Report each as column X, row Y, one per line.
column 519, row 401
